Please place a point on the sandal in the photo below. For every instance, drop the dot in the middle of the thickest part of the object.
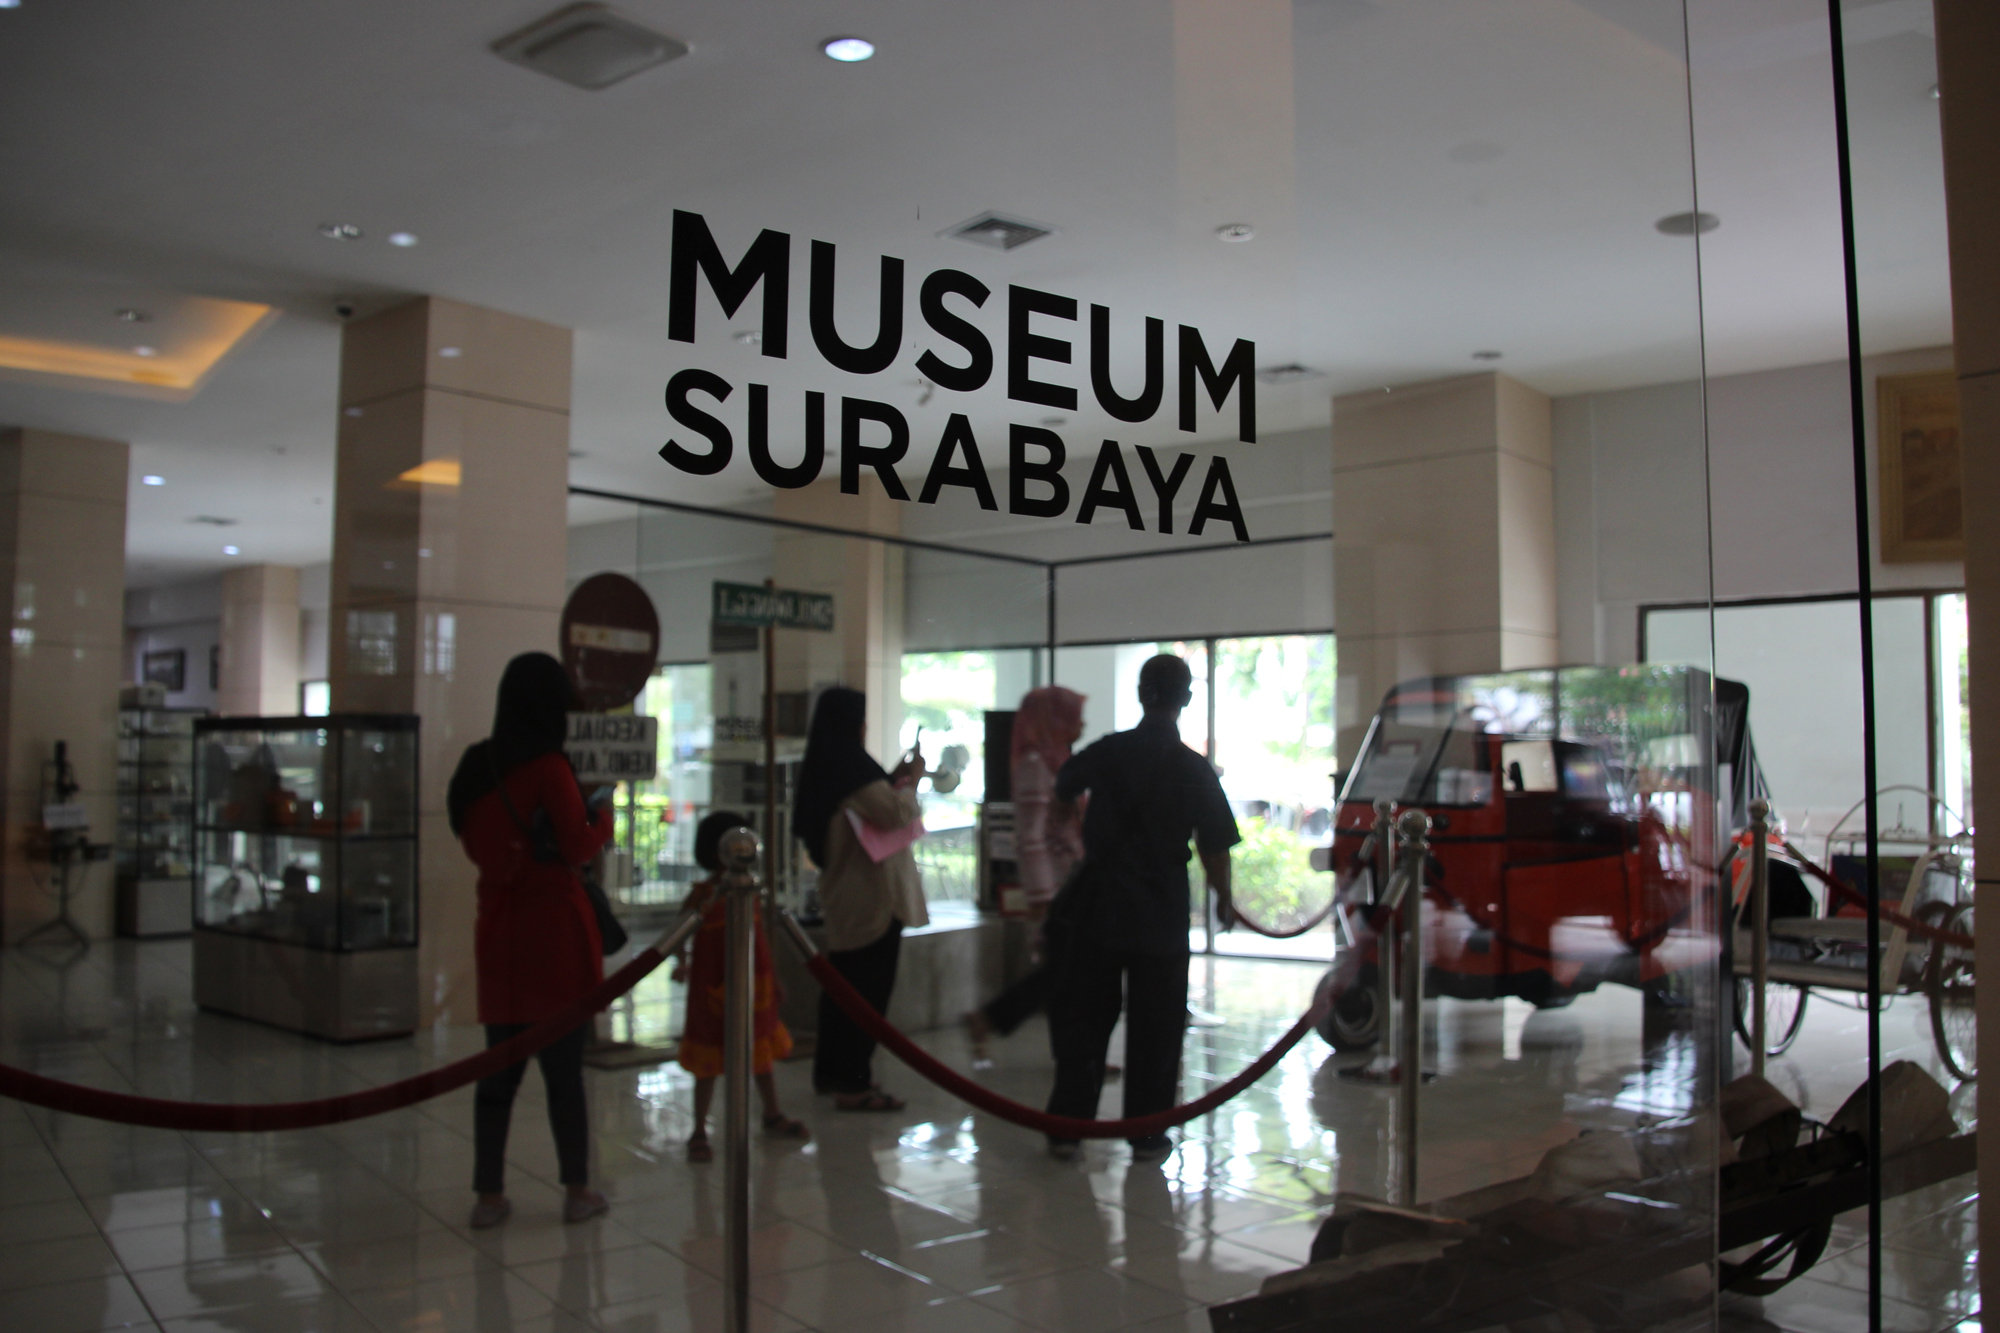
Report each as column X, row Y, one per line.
column 782, row 1126
column 698, row 1150
column 875, row 1099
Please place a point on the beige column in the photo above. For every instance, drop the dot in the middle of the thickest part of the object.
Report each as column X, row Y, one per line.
column 1444, row 537
column 1968, row 48
column 449, row 551
column 260, row 642
column 865, row 650
column 62, row 559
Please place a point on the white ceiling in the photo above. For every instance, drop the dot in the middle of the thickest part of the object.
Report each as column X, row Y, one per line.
column 1428, row 178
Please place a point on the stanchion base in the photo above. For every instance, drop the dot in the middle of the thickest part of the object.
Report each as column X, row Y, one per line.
column 1386, row 1074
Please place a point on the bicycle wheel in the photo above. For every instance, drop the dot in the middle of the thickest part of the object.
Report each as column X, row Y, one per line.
column 1784, row 1013
column 1948, row 983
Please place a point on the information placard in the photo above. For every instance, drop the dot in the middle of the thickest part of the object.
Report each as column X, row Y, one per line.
column 613, row 747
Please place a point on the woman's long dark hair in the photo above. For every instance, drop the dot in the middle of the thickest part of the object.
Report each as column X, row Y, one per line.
column 530, row 719
column 836, row 766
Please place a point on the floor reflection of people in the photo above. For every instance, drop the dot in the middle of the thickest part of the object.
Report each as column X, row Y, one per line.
column 704, row 1249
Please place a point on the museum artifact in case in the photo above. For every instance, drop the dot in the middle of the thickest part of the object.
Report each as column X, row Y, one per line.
column 154, row 844
column 305, row 887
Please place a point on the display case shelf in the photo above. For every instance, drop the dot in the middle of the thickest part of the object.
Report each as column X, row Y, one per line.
column 153, row 845
column 305, row 876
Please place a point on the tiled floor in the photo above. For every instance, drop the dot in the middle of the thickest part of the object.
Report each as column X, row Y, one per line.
column 932, row 1219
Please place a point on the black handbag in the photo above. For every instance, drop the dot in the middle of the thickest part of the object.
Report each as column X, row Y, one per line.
column 541, row 835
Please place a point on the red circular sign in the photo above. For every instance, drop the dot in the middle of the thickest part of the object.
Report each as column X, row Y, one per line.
column 610, row 640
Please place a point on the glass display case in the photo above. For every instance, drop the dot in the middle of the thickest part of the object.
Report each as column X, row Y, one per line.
column 153, row 848
column 305, row 871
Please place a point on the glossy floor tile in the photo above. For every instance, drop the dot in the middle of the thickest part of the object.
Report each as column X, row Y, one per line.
column 933, row 1220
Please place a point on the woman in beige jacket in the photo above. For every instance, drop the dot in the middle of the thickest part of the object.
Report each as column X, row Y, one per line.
column 866, row 902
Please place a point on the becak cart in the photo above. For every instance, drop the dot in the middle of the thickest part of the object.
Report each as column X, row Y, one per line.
column 1818, row 934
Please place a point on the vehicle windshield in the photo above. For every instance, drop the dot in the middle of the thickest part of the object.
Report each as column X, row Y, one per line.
column 1422, row 764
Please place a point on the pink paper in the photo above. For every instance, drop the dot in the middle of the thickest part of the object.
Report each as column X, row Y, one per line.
column 881, row 844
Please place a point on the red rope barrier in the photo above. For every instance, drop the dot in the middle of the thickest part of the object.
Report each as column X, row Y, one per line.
column 1889, row 914
column 157, row 1113
column 1245, row 919
column 1063, row 1126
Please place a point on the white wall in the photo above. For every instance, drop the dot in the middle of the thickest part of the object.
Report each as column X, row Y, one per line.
column 315, row 618
column 1633, row 491
column 1229, row 593
column 1804, row 672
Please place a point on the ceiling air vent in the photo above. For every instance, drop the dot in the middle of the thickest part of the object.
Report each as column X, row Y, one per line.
column 213, row 520
column 998, row 231
column 588, row 45
column 1289, row 374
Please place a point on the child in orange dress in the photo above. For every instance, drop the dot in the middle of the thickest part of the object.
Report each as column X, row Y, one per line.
column 702, row 1038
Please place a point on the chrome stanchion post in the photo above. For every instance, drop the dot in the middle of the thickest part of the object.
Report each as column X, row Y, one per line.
column 1385, row 951
column 1415, row 827
column 1760, row 927
column 739, row 852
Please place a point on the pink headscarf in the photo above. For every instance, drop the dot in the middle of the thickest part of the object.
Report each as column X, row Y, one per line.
column 1044, row 722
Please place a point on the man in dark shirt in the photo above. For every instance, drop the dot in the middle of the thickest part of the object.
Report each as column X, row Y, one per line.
column 1121, row 924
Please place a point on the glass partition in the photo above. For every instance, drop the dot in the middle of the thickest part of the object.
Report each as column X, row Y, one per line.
column 1386, row 413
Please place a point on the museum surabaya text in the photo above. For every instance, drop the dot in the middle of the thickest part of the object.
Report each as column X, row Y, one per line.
column 875, row 436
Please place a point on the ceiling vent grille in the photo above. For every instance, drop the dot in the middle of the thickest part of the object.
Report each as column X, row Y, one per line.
column 588, row 45
column 998, row 231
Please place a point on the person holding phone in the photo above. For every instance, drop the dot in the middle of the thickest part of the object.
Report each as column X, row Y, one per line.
column 515, row 804
column 858, row 823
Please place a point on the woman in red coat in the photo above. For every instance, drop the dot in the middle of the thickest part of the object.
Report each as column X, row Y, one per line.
column 515, row 805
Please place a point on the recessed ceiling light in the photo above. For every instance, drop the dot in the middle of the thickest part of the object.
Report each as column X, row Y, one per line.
column 1687, row 224
column 1235, row 232
column 847, row 50
column 130, row 316
column 449, row 352
column 152, row 479
column 340, row 231
column 1488, row 355
column 232, row 550
column 1935, row 93
column 143, row 350
column 10, row 4
column 405, row 239
column 589, row 46
column 749, row 337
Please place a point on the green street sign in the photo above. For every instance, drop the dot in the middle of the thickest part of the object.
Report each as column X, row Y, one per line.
column 751, row 604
